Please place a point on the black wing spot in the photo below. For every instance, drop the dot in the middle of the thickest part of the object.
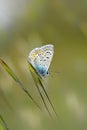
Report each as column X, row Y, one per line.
column 39, row 54
column 49, row 52
column 44, row 59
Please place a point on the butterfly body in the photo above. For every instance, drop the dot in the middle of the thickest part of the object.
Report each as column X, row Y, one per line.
column 40, row 58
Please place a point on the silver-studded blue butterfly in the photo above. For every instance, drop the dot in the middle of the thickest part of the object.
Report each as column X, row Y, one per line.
column 40, row 58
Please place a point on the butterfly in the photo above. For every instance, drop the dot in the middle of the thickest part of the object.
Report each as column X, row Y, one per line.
column 39, row 60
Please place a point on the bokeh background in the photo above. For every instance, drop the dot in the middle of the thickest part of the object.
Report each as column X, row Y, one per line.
column 25, row 25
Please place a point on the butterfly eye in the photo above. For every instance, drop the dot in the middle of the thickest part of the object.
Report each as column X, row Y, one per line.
column 47, row 73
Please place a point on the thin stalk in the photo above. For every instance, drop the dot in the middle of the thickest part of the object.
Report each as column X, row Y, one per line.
column 36, row 84
column 4, row 122
column 47, row 95
column 11, row 73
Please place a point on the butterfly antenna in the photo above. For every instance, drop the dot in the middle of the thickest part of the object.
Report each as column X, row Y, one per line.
column 47, row 96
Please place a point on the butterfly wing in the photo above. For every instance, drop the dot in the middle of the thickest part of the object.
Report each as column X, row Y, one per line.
column 41, row 58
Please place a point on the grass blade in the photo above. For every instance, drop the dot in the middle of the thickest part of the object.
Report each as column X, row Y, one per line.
column 5, row 100
column 39, row 80
column 36, row 84
column 5, row 125
column 10, row 72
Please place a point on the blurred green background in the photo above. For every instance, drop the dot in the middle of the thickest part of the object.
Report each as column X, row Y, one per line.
column 25, row 25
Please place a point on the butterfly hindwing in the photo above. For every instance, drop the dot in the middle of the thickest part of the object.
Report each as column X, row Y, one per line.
column 40, row 58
